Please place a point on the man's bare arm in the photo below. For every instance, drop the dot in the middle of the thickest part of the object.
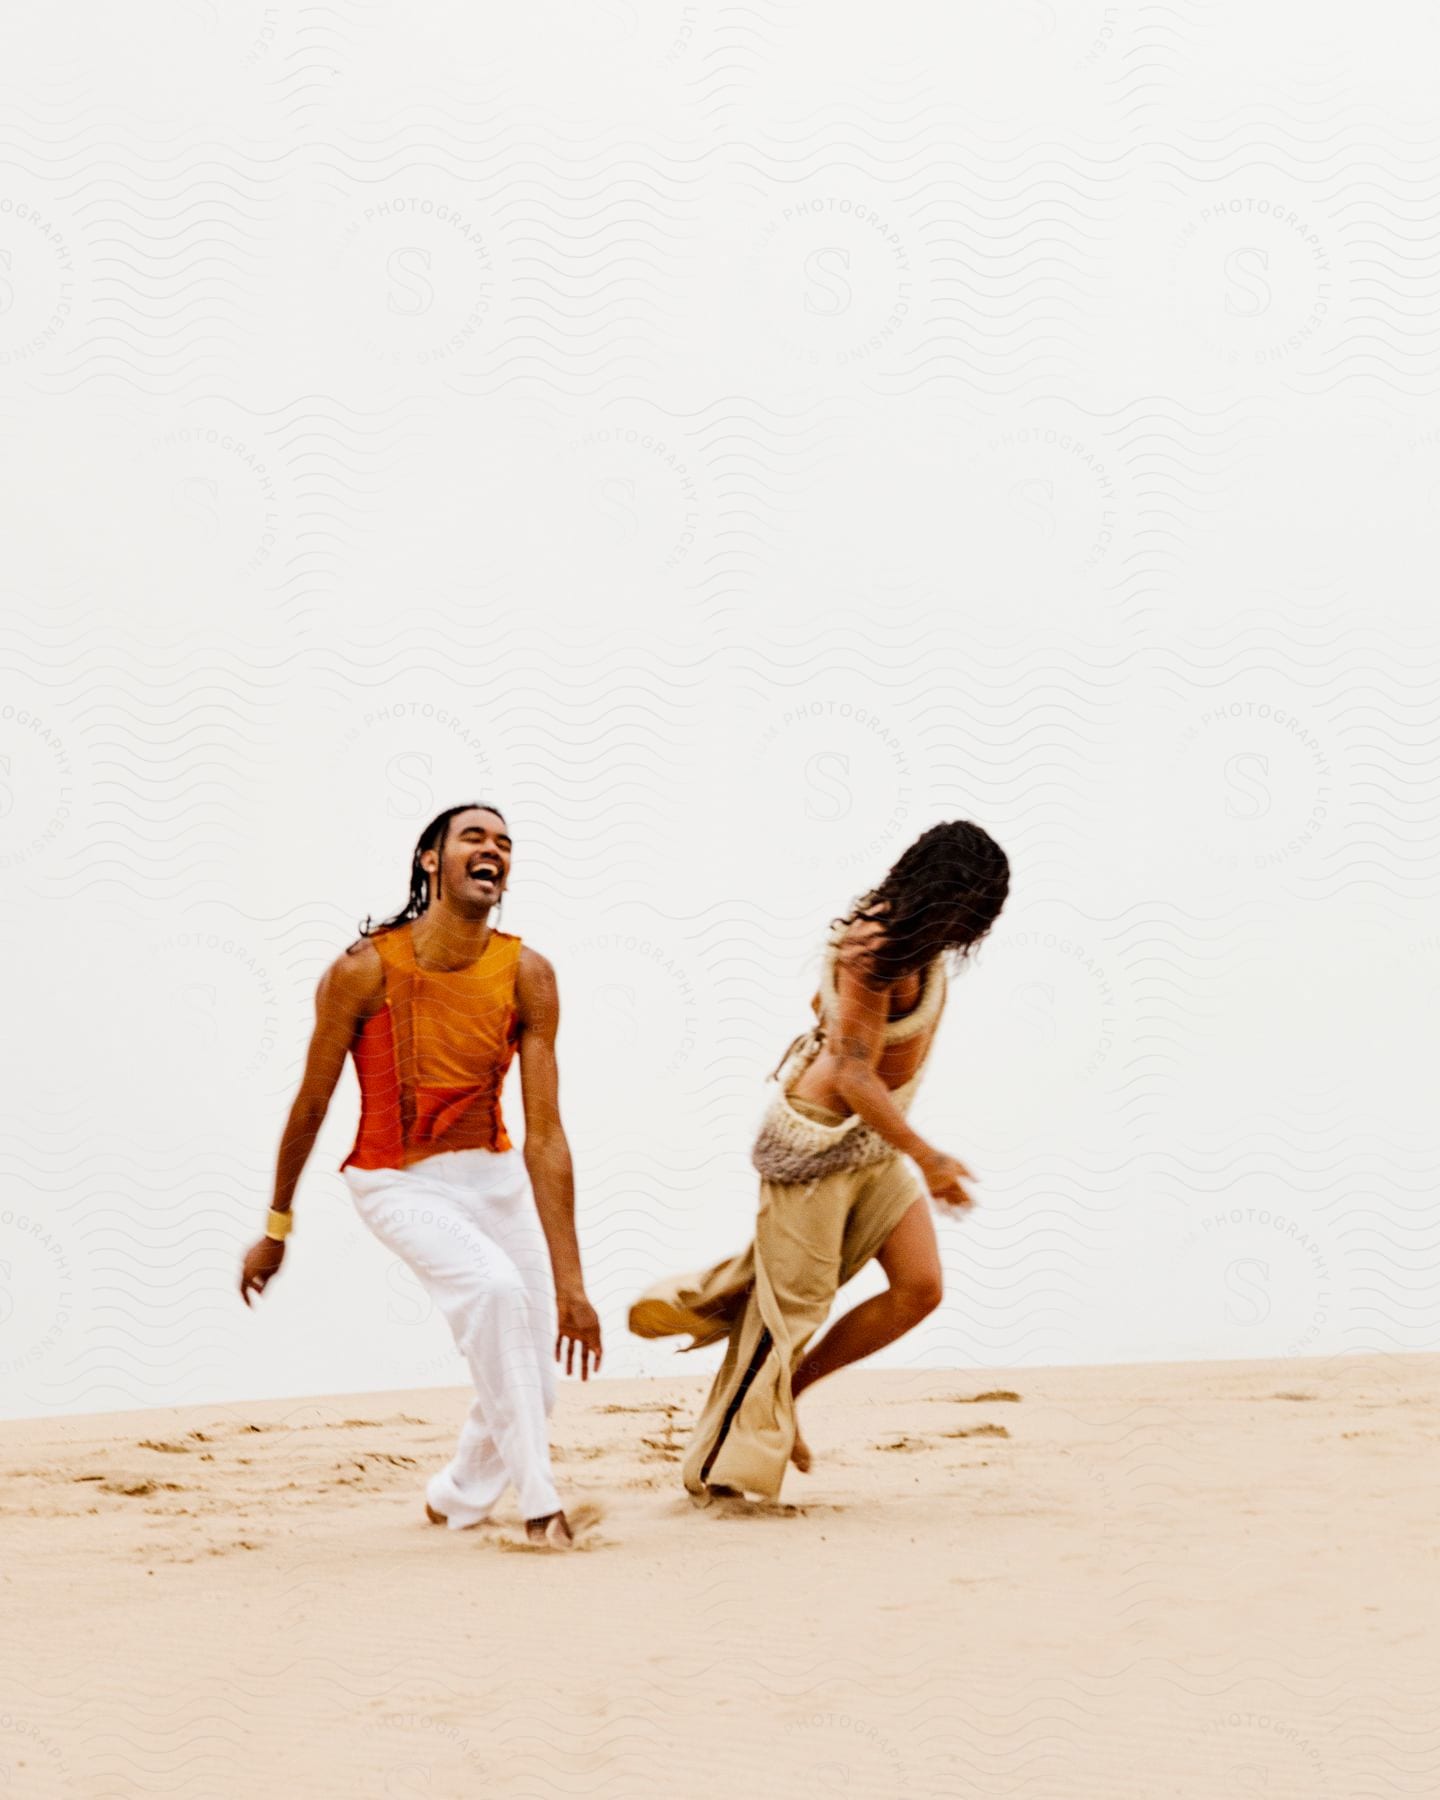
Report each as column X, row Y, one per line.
column 547, row 1155
column 348, row 989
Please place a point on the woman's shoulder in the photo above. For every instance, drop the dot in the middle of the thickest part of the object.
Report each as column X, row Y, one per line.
column 854, row 942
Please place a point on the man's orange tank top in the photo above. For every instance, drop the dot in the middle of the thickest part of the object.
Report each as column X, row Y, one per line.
column 433, row 1059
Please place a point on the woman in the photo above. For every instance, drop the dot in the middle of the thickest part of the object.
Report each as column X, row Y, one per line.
column 834, row 1189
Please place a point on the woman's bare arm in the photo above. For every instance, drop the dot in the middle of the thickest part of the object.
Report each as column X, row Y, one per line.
column 857, row 1043
column 863, row 1007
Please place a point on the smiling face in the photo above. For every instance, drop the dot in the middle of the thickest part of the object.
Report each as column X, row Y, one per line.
column 473, row 861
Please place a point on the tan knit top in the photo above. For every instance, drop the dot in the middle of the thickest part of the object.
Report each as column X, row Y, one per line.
column 923, row 1015
column 791, row 1147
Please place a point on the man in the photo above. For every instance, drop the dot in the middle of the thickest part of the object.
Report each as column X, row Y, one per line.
column 432, row 1005
column 835, row 1191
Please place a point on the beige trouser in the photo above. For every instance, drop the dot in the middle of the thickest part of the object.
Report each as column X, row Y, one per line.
column 769, row 1301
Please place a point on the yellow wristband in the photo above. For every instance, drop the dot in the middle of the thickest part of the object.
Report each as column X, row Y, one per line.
column 278, row 1224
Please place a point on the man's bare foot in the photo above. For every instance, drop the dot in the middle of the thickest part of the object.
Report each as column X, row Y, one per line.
column 439, row 1518
column 553, row 1532
column 800, row 1454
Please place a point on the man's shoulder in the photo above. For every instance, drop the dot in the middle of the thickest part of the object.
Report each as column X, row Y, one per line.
column 537, row 994
column 358, row 966
column 530, row 964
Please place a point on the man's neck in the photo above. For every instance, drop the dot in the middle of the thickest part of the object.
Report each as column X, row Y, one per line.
column 445, row 939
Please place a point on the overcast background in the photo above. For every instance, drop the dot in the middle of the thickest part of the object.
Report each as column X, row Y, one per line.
column 731, row 438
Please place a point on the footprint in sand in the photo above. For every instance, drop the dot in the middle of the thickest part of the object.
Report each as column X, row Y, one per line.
column 376, row 1424
column 993, row 1394
column 136, row 1485
column 907, row 1444
column 991, row 1431
column 729, row 1503
column 666, row 1447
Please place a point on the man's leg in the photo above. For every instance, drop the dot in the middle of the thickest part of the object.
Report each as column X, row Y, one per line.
column 420, row 1215
column 910, row 1257
column 476, row 1473
column 498, row 1193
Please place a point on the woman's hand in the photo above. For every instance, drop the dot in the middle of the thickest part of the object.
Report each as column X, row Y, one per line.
column 944, row 1176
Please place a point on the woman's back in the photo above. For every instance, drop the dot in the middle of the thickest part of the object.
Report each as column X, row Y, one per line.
column 915, row 1001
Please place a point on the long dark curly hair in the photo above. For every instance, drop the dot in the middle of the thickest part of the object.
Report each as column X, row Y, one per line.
column 943, row 894
column 431, row 838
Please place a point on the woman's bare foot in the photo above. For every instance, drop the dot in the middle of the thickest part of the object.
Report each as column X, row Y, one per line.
column 552, row 1532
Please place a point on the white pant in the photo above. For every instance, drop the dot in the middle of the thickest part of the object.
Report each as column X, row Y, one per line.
column 465, row 1222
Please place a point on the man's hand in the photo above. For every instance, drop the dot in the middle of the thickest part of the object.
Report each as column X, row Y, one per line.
column 579, row 1327
column 943, row 1176
column 262, row 1260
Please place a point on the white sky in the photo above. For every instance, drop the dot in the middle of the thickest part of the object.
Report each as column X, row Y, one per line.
column 731, row 446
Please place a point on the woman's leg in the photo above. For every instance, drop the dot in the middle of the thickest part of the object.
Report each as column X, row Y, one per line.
column 746, row 1432
column 910, row 1257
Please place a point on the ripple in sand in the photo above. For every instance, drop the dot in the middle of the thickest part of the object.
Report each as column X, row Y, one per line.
column 661, row 1406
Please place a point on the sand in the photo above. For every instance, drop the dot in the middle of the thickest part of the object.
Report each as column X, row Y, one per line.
column 1211, row 1580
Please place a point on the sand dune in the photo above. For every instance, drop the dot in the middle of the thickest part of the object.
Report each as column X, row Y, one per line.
column 1201, row 1580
